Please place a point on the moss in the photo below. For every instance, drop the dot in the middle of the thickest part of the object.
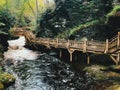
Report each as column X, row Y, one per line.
column 71, row 31
column 114, row 87
column 1, row 86
column 104, row 72
column 95, row 71
column 1, row 47
column 6, row 78
column 82, row 26
column 114, row 12
column 114, row 15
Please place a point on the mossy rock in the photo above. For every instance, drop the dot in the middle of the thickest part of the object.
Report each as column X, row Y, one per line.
column 1, row 86
column 95, row 71
column 6, row 78
column 114, row 87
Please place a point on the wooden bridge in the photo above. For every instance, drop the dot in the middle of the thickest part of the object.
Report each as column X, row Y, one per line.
column 110, row 47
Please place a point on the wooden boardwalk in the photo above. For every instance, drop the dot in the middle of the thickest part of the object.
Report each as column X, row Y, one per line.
column 110, row 47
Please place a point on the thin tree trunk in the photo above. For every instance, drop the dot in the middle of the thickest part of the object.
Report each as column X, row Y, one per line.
column 37, row 15
column 6, row 3
column 37, row 11
column 31, row 8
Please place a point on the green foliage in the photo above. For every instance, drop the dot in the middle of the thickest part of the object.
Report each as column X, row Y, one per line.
column 113, row 20
column 71, row 31
column 25, row 11
column 1, row 48
column 62, row 18
column 1, row 86
column 6, row 78
column 70, row 15
column 6, row 20
column 114, row 12
column 82, row 26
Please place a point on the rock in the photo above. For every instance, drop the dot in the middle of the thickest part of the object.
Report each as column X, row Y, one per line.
column 114, row 87
column 1, row 86
column 6, row 78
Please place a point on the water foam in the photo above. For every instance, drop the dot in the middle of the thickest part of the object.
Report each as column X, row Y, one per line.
column 17, row 52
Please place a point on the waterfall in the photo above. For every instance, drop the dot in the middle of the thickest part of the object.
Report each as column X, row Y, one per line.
column 17, row 52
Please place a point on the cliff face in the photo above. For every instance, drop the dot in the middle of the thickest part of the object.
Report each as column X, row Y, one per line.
column 69, row 15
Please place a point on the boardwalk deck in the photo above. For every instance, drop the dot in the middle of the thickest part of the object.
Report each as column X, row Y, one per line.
column 110, row 47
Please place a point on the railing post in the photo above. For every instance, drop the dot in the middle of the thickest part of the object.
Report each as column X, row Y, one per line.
column 48, row 42
column 57, row 43
column 68, row 43
column 107, row 46
column 118, row 57
column 118, row 40
column 85, row 46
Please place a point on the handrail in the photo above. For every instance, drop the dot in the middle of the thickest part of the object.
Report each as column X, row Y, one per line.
column 113, row 39
column 85, row 46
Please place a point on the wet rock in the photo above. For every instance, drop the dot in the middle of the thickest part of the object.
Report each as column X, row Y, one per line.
column 8, row 62
column 114, row 87
column 1, row 86
column 6, row 78
column 107, row 77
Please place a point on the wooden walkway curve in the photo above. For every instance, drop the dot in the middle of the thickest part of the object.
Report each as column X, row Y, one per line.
column 110, row 47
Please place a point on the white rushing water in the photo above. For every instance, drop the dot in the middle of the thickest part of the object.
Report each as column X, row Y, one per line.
column 17, row 52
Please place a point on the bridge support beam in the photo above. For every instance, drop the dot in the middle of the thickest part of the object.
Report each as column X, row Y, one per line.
column 88, row 58
column 47, row 46
column 118, row 40
column 118, row 57
column 71, row 52
column 115, row 59
column 60, row 55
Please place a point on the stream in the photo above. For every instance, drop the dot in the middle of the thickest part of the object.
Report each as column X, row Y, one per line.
column 43, row 72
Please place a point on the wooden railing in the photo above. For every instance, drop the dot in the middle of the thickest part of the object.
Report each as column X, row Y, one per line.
column 114, row 44
column 22, row 32
column 85, row 46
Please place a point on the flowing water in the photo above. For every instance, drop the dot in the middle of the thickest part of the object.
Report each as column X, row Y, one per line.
column 36, row 71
